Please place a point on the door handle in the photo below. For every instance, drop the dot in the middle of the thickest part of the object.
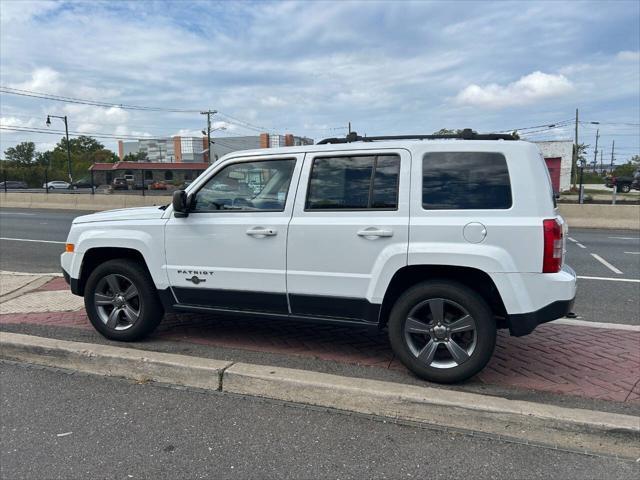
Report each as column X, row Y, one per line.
column 375, row 232
column 262, row 232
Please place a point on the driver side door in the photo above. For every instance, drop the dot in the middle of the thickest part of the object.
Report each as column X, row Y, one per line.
column 229, row 253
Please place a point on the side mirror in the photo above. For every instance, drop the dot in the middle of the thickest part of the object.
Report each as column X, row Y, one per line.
column 180, row 204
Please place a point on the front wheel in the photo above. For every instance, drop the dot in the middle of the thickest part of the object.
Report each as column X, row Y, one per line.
column 625, row 188
column 121, row 301
column 442, row 331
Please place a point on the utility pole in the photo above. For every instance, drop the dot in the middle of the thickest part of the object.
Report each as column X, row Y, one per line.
column 595, row 152
column 66, row 133
column 601, row 166
column 208, row 113
column 613, row 146
column 349, row 128
column 575, row 154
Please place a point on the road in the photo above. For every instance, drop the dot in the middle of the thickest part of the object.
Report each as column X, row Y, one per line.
column 60, row 425
column 607, row 261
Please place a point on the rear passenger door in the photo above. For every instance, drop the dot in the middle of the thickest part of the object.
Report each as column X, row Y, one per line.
column 350, row 224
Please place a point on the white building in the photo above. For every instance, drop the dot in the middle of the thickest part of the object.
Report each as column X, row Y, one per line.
column 558, row 155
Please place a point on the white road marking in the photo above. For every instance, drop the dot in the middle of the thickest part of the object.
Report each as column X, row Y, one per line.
column 633, row 253
column 584, row 323
column 15, row 213
column 606, row 264
column 631, row 280
column 626, row 238
column 30, row 240
column 576, row 242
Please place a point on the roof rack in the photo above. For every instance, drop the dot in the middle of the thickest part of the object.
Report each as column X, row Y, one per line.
column 466, row 134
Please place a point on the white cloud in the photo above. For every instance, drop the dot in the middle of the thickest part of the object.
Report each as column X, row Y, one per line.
column 629, row 56
column 527, row 90
column 272, row 101
column 23, row 11
column 43, row 79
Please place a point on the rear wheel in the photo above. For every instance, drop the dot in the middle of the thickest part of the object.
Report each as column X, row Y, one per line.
column 625, row 188
column 442, row 331
column 121, row 301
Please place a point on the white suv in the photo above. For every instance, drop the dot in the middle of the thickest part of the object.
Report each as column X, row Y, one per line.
column 440, row 241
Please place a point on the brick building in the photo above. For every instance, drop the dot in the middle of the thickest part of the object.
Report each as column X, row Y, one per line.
column 139, row 172
column 194, row 149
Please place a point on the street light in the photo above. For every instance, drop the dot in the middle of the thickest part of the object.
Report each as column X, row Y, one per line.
column 66, row 130
column 208, row 135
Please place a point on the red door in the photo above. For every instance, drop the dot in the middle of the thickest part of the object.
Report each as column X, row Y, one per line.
column 553, row 164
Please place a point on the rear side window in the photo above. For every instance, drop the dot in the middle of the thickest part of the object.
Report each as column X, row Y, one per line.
column 354, row 183
column 465, row 181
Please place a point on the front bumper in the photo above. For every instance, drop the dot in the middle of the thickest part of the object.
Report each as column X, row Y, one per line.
column 72, row 282
column 521, row 324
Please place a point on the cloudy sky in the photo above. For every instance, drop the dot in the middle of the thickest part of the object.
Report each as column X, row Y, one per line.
column 310, row 67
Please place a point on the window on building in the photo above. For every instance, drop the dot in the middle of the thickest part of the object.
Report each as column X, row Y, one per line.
column 148, row 175
column 359, row 182
column 247, row 186
column 465, row 181
column 168, row 175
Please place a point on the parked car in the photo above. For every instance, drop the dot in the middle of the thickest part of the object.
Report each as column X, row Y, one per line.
column 440, row 242
column 57, row 185
column 120, row 184
column 13, row 184
column 624, row 184
column 82, row 183
column 158, row 186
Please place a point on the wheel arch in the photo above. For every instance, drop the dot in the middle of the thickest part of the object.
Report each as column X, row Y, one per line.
column 476, row 279
column 98, row 255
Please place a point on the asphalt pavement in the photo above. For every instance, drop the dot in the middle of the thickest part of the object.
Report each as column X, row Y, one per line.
column 61, row 425
column 607, row 261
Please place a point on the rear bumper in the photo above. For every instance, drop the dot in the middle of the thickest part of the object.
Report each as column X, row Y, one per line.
column 521, row 324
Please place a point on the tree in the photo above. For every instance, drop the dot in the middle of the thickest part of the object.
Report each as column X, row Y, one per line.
column 22, row 154
column 135, row 157
column 628, row 169
column 582, row 152
column 446, row 131
column 581, row 159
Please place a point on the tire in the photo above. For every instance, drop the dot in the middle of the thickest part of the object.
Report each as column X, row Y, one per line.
column 101, row 302
column 437, row 362
column 625, row 188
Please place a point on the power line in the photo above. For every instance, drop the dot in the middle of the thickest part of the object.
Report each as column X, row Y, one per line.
column 547, row 125
column 82, row 101
column 88, row 134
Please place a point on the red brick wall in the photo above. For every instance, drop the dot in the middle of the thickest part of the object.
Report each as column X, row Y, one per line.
column 264, row 140
column 288, row 140
column 205, row 156
column 177, row 149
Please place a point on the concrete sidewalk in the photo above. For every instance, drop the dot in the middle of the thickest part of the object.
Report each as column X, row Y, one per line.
column 576, row 360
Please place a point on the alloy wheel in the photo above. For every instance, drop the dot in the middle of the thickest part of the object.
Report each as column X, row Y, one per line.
column 440, row 333
column 117, row 302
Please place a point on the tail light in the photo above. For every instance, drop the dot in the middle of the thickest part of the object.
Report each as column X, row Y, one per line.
column 553, row 248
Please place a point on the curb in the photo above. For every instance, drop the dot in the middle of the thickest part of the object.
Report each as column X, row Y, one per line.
column 577, row 429
column 139, row 365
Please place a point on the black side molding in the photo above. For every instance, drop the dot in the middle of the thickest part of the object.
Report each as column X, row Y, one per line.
column 522, row 324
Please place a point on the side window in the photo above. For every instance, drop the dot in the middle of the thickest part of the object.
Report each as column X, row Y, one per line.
column 247, row 186
column 465, row 181
column 354, row 183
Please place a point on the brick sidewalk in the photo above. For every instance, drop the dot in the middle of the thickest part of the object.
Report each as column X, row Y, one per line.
column 583, row 361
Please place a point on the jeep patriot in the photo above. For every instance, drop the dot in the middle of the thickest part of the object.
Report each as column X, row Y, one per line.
column 440, row 240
